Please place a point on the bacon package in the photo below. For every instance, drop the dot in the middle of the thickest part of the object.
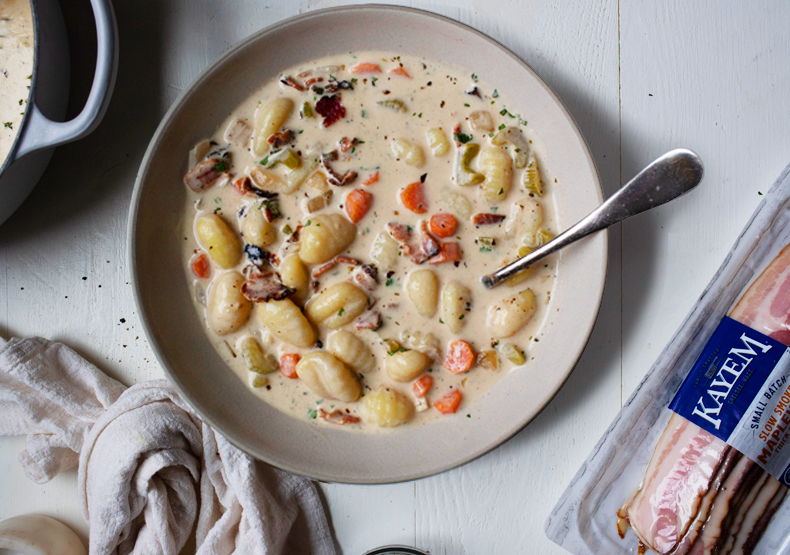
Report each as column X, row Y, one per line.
column 698, row 460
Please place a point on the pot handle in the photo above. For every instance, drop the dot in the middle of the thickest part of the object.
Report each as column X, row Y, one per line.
column 42, row 132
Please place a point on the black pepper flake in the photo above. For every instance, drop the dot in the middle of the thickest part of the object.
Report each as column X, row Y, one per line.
column 422, row 177
column 84, row 278
column 123, row 320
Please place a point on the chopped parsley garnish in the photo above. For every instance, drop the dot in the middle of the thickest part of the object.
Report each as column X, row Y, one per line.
column 485, row 249
column 389, row 282
column 398, row 350
column 273, row 210
column 21, row 100
column 221, row 166
column 308, row 223
column 474, row 78
column 441, row 321
column 354, row 80
column 364, row 114
column 373, row 80
column 9, row 125
column 462, row 138
column 503, row 112
column 501, row 192
column 319, row 90
column 341, row 311
column 287, row 229
column 501, row 126
column 466, row 105
column 312, row 413
column 495, row 94
column 217, row 200
column 461, row 317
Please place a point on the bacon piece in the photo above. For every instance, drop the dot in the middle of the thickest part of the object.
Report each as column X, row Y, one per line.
column 347, row 260
column 289, row 81
column 331, row 109
column 271, row 209
column 428, row 247
column 324, row 268
column 347, row 144
column 263, row 286
column 312, row 80
column 204, row 174
column 335, row 178
column 369, row 320
column 238, row 133
column 337, row 417
column 281, row 139
column 334, row 86
column 243, row 185
column 487, row 219
column 365, row 276
column 401, row 233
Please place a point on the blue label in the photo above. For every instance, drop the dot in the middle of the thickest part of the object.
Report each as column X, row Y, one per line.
column 730, row 373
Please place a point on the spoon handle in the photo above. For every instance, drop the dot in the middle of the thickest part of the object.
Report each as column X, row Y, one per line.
column 666, row 178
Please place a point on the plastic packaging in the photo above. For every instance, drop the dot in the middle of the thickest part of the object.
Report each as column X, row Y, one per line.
column 585, row 518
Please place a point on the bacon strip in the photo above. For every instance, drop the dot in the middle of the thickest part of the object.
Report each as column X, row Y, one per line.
column 369, row 320
column 365, row 276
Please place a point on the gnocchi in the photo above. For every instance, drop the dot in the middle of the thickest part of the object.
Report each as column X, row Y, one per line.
column 411, row 154
column 507, row 317
column 269, row 118
column 423, row 289
column 384, row 251
column 326, row 376
column 497, row 167
column 228, row 308
column 456, row 303
column 324, row 237
column 286, row 322
column 337, row 305
column 256, row 229
column 352, row 351
column 437, row 141
column 293, row 273
column 406, row 365
column 388, row 408
column 220, row 241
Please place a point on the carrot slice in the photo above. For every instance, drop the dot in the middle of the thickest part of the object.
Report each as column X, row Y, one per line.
column 413, row 197
column 365, row 67
column 460, row 357
column 400, row 71
column 200, row 265
column 449, row 251
column 421, row 386
column 371, row 179
column 449, row 403
column 357, row 204
column 443, row 225
column 288, row 365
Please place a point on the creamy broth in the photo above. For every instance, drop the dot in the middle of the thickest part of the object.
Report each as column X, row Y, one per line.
column 429, row 95
column 16, row 68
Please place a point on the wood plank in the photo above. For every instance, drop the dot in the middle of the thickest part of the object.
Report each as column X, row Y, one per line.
column 713, row 78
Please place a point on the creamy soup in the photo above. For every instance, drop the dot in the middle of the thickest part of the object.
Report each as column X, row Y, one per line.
column 336, row 228
column 16, row 68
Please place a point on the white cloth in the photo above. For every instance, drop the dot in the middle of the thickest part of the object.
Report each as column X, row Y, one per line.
column 148, row 466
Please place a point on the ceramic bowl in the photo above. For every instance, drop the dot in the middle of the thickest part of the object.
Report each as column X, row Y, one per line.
column 176, row 333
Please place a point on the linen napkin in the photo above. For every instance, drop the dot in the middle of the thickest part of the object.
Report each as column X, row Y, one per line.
column 148, row 466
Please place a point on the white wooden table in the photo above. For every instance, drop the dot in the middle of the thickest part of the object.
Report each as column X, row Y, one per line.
column 638, row 77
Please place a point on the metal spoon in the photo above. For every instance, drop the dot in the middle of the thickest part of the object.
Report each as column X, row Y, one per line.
column 675, row 173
